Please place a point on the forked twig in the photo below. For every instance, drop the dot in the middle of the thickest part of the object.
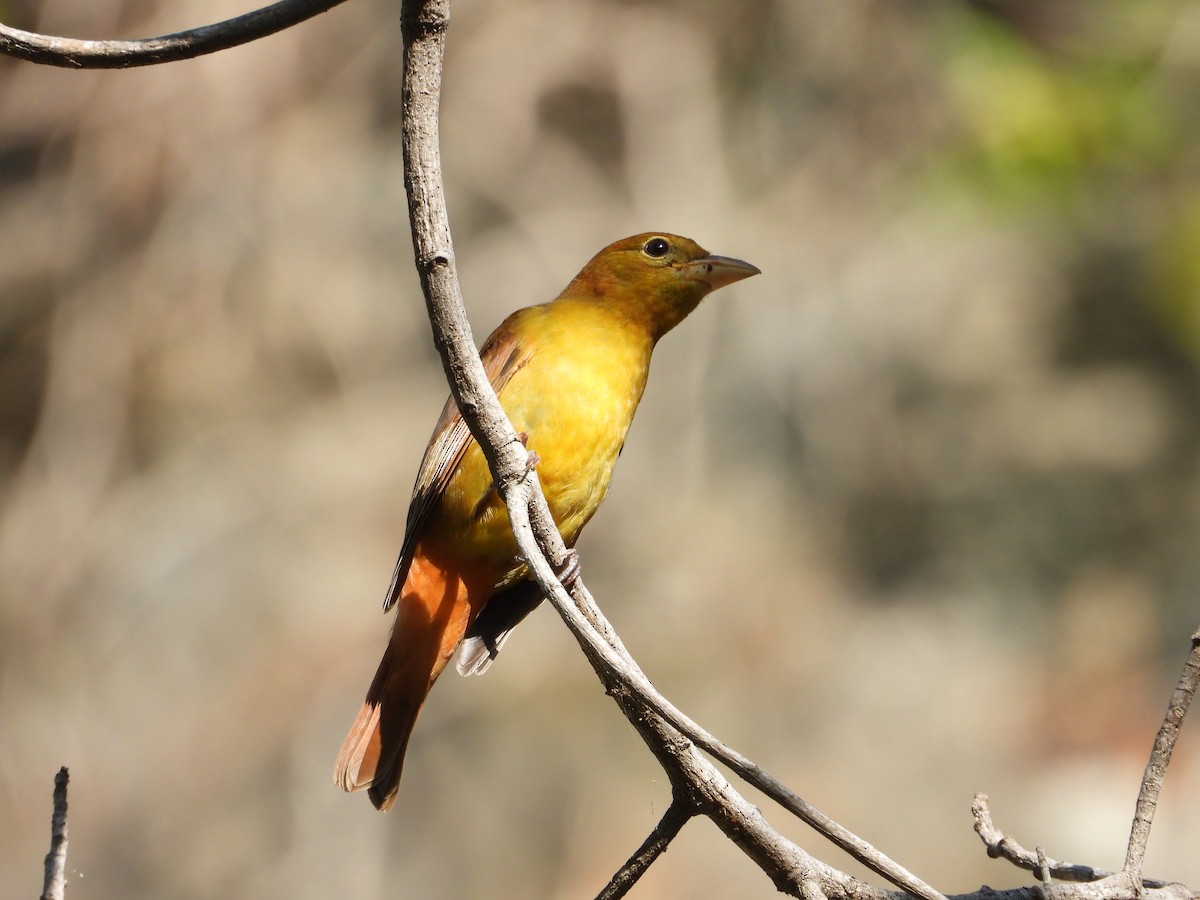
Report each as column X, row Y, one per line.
column 1000, row 845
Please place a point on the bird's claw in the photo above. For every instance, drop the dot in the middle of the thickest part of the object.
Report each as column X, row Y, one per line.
column 569, row 568
column 531, row 458
column 531, row 461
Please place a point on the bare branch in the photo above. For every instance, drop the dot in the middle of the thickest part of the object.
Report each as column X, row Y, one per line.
column 71, row 53
column 671, row 736
column 54, row 884
column 1160, row 757
column 695, row 777
column 1001, row 846
column 652, row 848
column 674, row 739
column 424, row 25
column 1099, row 881
column 1114, row 887
column 614, row 663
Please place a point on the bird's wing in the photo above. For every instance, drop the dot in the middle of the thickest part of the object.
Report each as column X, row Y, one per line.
column 502, row 356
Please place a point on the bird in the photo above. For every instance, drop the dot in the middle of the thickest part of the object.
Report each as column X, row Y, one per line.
column 569, row 374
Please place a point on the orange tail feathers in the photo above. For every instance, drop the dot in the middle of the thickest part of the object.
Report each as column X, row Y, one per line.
column 435, row 609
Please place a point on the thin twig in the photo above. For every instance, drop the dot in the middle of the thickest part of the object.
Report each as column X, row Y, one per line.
column 1060, row 880
column 1001, row 846
column 71, row 53
column 652, row 848
column 1160, row 757
column 54, row 884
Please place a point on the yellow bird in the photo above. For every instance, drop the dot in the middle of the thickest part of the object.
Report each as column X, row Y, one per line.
column 569, row 374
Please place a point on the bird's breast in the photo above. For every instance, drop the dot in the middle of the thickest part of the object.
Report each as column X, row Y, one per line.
column 574, row 400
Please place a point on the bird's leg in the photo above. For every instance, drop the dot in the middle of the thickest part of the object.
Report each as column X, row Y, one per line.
column 492, row 495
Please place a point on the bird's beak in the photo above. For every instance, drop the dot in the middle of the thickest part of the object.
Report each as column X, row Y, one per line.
column 717, row 271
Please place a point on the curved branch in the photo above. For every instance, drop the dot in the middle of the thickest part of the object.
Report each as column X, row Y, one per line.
column 424, row 23
column 71, row 53
column 614, row 663
column 672, row 737
column 1002, row 846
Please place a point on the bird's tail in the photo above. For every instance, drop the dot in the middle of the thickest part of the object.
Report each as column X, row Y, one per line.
column 435, row 609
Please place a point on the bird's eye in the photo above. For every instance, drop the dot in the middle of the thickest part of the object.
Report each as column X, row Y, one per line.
column 656, row 247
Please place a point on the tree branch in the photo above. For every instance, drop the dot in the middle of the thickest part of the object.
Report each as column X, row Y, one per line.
column 676, row 816
column 79, row 54
column 1001, row 846
column 617, row 667
column 674, row 739
column 54, row 884
column 1098, row 884
column 1160, row 758
column 424, row 24
column 792, row 870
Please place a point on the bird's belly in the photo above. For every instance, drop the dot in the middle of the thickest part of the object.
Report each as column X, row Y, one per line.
column 577, row 454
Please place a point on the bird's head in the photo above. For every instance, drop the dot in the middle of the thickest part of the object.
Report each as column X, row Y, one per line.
column 656, row 279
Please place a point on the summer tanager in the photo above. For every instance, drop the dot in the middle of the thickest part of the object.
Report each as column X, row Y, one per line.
column 569, row 374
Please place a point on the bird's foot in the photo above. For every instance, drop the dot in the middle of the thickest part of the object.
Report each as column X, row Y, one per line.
column 531, row 462
column 568, row 572
column 532, row 459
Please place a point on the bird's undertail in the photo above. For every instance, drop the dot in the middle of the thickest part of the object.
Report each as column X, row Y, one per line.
column 435, row 609
column 491, row 628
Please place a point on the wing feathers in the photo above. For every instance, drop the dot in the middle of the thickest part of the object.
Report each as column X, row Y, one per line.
column 502, row 357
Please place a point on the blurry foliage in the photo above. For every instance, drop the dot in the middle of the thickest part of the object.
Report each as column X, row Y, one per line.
column 1096, row 126
column 1044, row 123
column 1174, row 267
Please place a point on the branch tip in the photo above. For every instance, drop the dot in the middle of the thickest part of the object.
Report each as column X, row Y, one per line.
column 54, row 884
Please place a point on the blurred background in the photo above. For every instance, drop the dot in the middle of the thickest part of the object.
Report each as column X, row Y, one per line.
column 914, row 514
